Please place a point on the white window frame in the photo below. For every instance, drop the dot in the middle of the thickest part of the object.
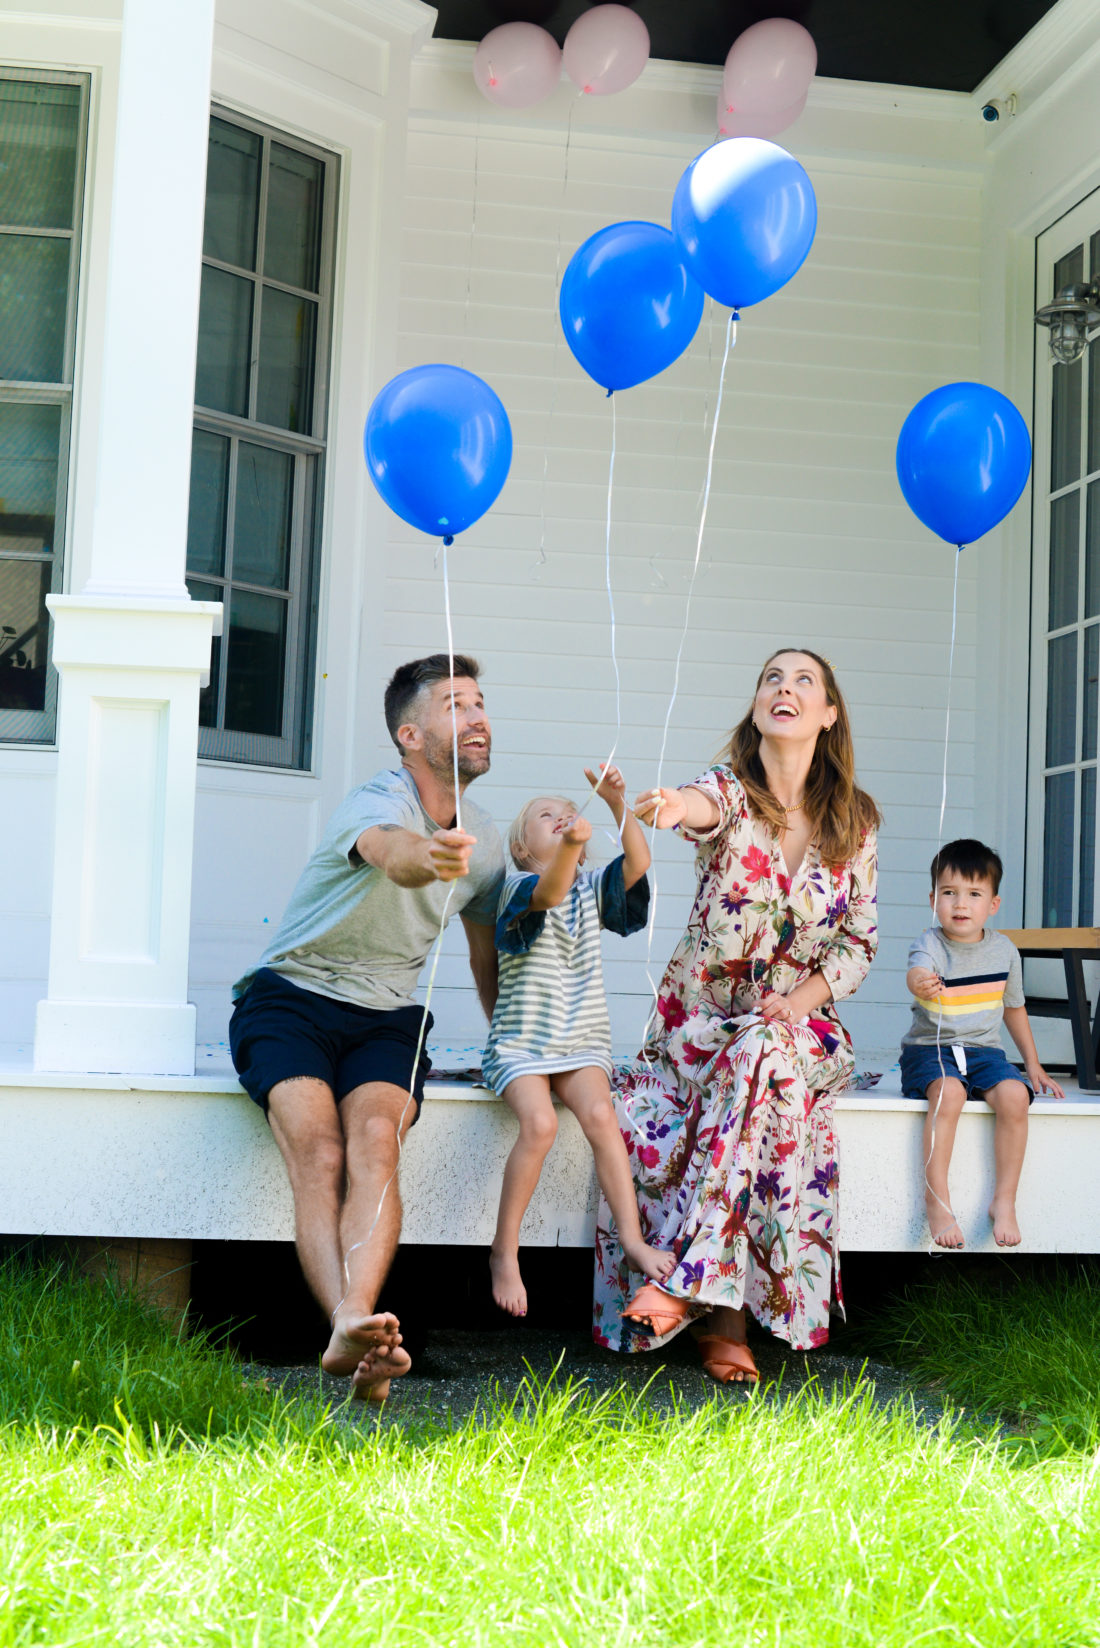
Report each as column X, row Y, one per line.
column 22, row 727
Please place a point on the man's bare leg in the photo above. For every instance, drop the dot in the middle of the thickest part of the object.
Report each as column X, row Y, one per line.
column 365, row 1343
column 940, row 1123
column 306, row 1127
column 1009, row 1100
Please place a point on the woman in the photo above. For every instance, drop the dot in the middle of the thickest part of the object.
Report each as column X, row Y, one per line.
column 728, row 1111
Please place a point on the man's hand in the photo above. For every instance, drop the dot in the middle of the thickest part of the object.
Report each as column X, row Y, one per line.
column 449, row 854
column 922, row 982
column 577, row 831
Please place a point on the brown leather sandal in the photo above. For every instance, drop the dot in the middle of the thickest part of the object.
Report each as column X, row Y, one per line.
column 656, row 1309
column 727, row 1358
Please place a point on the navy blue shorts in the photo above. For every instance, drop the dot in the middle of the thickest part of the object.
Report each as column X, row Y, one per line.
column 985, row 1067
column 278, row 1030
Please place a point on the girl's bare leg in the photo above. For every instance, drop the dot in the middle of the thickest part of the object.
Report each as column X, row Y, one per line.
column 939, row 1141
column 588, row 1095
column 529, row 1097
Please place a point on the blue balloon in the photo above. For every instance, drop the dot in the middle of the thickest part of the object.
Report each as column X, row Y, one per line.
column 964, row 455
column 628, row 306
column 439, row 446
column 744, row 216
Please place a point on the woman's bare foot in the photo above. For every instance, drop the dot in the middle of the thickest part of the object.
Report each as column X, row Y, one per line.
column 942, row 1223
column 651, row 1261
column 508, row 1289
column 354, row 1337
column 1006, row 1231
column 371, row 1380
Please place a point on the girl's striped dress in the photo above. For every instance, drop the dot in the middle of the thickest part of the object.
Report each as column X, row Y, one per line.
column 551, row 1011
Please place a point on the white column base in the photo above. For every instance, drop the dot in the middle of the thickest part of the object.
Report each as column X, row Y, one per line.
column 108, row 1038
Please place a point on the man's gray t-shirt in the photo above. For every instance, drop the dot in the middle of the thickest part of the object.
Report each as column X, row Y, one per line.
column 979, row 982
column 351, row 933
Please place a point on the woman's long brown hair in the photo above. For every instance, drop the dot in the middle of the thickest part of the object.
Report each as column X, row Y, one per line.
column 841, row 813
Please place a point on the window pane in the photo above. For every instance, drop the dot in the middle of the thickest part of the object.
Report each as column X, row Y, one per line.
column 24, row 633
column 232, row 195
column 39, row 134
column 34, row 285
column 225, row 328
column 209, row 494
column 1058, row 852
column 292, row 237
column 1088, row 693
column 287, row 333
column 1069, row 270
column 1065, row 514
column 29, row 437
column 1061, row 700
column 1093, row 435
column 208, row 695
column 1092, row 553
column 262, row 524
column 257, row 657
column 1086, row 872
column 1065, row 435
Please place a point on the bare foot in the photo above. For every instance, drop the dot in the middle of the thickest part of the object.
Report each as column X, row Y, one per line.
column 371, row 1380
column 354, row 1337
column 508, row 1289
column 651, row 1261
column 942, row 1223
column 1006, row 1232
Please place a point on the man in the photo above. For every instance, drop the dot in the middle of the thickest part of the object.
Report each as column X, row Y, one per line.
column 325, row 1031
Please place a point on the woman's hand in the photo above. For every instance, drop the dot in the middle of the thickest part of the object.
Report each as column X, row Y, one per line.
column 664, row 809
column 775, row 1006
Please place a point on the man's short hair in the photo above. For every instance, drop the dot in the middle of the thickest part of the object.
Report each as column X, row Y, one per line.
column 972, row 860
column 410, row 680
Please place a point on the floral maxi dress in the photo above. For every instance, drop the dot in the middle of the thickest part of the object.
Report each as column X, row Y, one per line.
column 728, row 1117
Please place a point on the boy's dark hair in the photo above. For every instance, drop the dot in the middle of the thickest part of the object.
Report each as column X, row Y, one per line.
column 408, row 681
column 972, row 860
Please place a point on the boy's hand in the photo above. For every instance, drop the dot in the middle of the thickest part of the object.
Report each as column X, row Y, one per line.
column 924, row 983
column 1041, row 1082
column 610, row 786
column 577, row 831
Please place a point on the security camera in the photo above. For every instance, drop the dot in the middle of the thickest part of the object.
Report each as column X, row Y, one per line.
column 995, row 108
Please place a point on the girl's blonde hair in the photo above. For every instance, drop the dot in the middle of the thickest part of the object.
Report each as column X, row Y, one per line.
column 841, row 813
column 517, row 835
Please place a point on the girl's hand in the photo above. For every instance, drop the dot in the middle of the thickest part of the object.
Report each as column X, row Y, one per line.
column 664, row 809
column 775, row 1006
column 610, row 786
column 577, row 831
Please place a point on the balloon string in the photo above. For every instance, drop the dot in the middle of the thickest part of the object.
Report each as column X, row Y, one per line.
column 611, row 614
column 731, row 342
column 470, row 250
column 934, row 1249
column 410, row 1097
column 541, row 562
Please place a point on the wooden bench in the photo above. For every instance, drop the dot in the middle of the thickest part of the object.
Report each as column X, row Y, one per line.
column 1075, row 946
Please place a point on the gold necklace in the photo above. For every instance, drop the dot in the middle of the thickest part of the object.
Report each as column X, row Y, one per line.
column 797, row 808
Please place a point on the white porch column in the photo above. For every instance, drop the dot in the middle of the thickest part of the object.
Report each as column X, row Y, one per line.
column 131, row 648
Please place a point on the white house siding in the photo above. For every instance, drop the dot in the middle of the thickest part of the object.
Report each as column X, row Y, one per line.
column 807, row 537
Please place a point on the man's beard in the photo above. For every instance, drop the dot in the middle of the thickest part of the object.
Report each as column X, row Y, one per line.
column 439, row 754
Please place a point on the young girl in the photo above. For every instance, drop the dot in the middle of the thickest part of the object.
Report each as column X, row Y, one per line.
column 550, row 1028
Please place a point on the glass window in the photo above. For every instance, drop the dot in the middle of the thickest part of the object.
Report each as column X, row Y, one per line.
column 43, row 119
column 259, row 434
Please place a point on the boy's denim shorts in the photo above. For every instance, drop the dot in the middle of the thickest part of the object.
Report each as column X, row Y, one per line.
column 985, row 1067
column 278, row 1030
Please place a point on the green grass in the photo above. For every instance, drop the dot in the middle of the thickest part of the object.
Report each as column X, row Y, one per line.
column 555, row 1519
column 1026, row 1344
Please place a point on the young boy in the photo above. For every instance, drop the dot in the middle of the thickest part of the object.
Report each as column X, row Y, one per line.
column 965, row 978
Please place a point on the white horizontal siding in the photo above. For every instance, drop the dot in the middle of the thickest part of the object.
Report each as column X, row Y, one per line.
column 808, row 538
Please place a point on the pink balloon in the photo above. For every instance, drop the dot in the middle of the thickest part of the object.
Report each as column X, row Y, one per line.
column 735, row 123
column 769, row 67
column 517, row 64
column 606, row 49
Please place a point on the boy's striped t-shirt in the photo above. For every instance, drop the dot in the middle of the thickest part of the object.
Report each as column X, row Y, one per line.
column 979, row 982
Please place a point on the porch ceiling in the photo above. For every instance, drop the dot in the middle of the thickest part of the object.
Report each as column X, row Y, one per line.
column 950, row 44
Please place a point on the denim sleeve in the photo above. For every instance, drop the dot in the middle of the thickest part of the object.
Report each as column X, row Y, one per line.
column 518, row 926
column 622, row 911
